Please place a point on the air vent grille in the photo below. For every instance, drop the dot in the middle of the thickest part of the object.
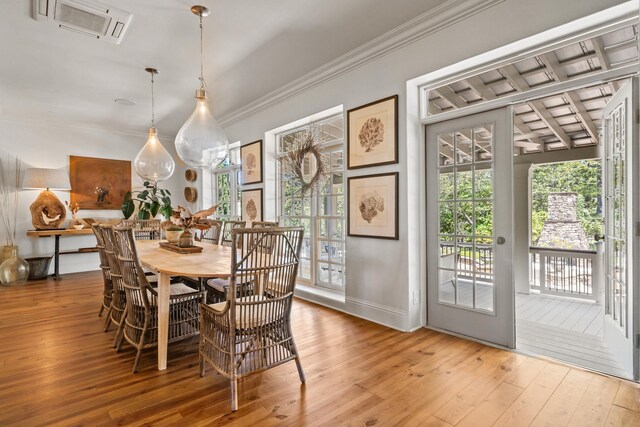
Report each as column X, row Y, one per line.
column 74, row 17
column 88, row 17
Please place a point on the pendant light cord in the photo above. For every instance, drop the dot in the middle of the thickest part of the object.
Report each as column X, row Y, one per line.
column 153, row 104
column 203, row 84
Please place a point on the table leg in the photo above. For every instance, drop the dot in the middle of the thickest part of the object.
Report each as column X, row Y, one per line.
column 163, row 319
column 56, row 258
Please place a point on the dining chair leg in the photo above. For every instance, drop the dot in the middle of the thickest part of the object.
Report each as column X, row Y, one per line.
column 136, row 363
column 120, row 341
column 234, row 395
column 303, row 378
column 101, row 310
column 107, row 322
column 119, row 334
column 202, row 366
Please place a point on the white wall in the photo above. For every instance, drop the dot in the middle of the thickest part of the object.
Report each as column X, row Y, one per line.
column 378, row 271
column 49, row 146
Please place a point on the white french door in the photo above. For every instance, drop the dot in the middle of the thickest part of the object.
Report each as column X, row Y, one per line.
column 470, row 226
column 621, row 207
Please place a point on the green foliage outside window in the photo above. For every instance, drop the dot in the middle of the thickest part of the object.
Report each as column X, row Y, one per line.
column 224, row 195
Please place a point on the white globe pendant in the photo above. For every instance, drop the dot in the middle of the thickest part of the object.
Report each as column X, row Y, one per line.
column 153, row 162
column 201, row 141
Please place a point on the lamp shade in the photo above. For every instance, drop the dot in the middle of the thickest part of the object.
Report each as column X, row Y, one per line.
column 153, row 162
column 201, row 141
column 39, row 178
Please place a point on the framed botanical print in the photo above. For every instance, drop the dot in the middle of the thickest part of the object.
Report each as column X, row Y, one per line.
column 372, row 134
column 373, row 206
column 252, row 205
column 99, row 183
column 251, row 162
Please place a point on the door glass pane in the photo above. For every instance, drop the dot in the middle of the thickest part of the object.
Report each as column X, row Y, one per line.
column 616, row 280
column 466, row 190
column 483, row 143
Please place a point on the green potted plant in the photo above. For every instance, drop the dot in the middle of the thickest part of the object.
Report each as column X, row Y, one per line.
column 151, row 201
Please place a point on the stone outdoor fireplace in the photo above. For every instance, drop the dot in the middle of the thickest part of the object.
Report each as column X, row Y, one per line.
column 562, row 228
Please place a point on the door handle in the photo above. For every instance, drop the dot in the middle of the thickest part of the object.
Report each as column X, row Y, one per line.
column 501, row 240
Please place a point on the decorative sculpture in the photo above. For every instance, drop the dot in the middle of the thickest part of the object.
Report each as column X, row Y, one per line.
column 47, row 211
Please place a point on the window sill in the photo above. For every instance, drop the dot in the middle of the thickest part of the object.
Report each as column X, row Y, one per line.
column 318, row 295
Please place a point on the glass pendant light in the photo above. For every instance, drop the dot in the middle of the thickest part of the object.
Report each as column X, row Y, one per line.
column 153, row 162
column 201, row 142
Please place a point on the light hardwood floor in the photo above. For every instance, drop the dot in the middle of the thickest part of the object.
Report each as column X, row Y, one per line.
column 57, row 367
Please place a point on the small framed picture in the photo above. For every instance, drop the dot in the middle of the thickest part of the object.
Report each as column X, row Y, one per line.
column 372, row 134
column 373, row 206
column 251, row 162
column 252, row 205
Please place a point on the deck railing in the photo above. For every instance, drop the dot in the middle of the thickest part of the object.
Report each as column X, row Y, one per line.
column 470, row 260
column 574, row 273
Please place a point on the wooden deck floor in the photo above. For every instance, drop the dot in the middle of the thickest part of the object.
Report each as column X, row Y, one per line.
column 569, row 330
column 58, row 368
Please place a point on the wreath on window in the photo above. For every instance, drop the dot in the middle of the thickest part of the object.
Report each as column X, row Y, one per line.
column 297, row 162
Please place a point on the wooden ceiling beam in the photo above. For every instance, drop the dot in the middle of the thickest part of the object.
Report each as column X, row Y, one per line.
column 577, row 59
column 539, row 108
column 550, row 60
column 523, row 129
column 583, row 114
column 513, row 76
column 433, row 108
column 600, row 53
column 449, row 94
column 478, row 86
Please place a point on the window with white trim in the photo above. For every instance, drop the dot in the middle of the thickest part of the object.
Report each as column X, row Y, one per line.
column 322, row 211
column 225, row 184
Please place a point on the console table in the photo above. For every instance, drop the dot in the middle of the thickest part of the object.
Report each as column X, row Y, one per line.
column 62, row 233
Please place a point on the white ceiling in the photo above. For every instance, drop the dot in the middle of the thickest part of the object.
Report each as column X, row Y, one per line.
column 252, row 47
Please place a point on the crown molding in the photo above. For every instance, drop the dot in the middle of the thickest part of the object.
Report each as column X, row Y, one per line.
column 24, row 121
column 430, row 22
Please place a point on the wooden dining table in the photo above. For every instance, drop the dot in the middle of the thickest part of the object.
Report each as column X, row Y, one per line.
column 213, row 261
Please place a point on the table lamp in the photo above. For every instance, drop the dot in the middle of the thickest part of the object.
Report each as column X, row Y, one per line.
column 47, row 211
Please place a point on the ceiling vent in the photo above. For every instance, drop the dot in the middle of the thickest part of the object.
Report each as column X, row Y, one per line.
column 91, row 18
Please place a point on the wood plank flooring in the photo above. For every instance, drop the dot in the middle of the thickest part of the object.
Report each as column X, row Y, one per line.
column 57, row 367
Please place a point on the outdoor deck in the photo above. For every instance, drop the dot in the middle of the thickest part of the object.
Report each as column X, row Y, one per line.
column 565, row 329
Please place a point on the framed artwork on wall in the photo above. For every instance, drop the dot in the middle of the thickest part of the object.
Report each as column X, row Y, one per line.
column 99, row 183
column 252, row 205
column 251, row 162
column 373, row 206
column 372, row 134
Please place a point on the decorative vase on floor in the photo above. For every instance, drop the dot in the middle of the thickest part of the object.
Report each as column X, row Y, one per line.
column 5, row 253
column 15, row 270
column 186, row 239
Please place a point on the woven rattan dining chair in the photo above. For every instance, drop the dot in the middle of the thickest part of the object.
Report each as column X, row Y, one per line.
column 227, row 227
column 212, row 234
column 252, row 332
column 107, row 290
column 143, row 229
column 264, row 224
column 141, row 321
column 117, row 311
column 216, row 288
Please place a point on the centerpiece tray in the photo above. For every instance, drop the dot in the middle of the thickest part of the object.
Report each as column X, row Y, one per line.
column 181, row 250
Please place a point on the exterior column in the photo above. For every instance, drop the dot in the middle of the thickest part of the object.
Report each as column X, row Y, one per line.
column 521, row 226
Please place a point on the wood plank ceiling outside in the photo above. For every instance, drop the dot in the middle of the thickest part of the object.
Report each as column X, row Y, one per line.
column 563, row 121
